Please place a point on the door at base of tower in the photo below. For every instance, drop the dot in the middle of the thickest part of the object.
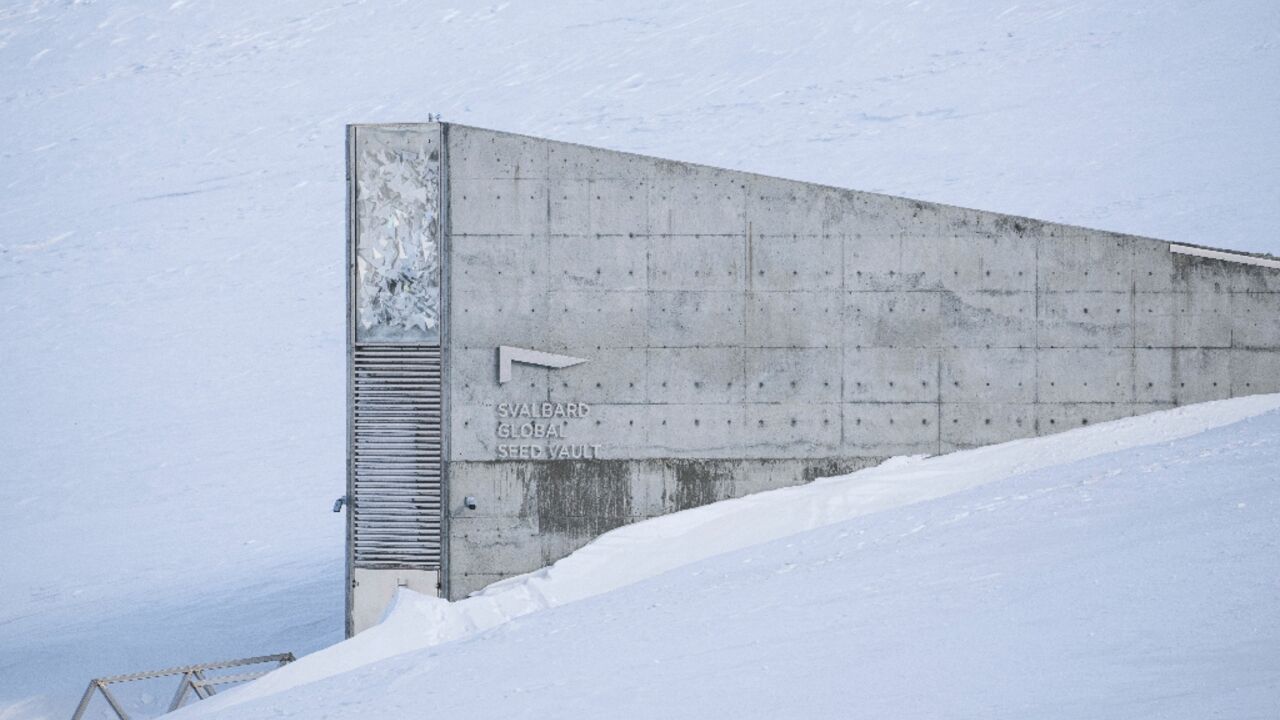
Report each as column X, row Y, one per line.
column 373, row 590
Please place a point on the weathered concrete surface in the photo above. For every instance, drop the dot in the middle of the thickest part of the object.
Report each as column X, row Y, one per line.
column 747, row 332
column 531, row 514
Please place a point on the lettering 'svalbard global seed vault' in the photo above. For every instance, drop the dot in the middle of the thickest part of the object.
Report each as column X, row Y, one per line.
column 549, row 340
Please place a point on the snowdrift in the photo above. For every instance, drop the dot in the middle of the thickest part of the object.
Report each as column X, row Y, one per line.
column 648, row 549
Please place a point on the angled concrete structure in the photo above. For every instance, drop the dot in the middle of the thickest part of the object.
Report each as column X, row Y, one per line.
column 739, row 332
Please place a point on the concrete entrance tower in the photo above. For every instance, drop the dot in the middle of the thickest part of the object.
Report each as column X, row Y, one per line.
column 548, row 341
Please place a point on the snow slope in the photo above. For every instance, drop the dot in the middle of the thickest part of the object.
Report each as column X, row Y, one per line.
column 1139, row 583
column 171, row 235
column 634, row 553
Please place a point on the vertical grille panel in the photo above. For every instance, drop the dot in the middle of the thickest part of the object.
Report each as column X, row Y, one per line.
column 396, row 457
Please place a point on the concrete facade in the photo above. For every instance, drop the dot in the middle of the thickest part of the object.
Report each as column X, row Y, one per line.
column 745, row 333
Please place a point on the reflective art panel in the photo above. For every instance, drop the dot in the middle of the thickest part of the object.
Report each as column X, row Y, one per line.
column 397, row 236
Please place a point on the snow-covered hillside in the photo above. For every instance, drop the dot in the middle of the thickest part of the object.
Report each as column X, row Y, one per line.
column 1139, row 583
column 171, row 235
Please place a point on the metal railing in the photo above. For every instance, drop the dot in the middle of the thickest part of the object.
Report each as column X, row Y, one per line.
column 194, row 681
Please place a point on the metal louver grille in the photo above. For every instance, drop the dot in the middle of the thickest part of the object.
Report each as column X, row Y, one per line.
column 396, row 457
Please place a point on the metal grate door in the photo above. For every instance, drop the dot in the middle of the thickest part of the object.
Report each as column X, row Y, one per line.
column 396, row 457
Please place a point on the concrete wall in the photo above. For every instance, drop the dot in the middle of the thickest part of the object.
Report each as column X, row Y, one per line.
column 745, row 333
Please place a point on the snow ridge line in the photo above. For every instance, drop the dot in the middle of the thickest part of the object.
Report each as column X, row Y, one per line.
column 645, row 549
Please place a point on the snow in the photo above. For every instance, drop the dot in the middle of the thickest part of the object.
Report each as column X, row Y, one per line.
column 634, row 553
column 171, row 251
column 1143, row 582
